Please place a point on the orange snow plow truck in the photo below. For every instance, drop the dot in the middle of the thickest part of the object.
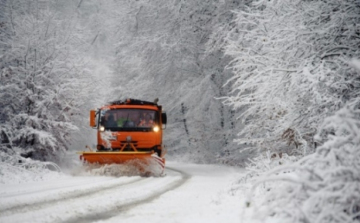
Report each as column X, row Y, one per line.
column 128, row 132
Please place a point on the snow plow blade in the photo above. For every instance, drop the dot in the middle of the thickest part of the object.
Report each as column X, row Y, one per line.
column 144, row 162
column 117, row 157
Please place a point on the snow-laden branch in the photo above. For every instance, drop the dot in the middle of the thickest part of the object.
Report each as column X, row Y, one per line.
column 290, row 69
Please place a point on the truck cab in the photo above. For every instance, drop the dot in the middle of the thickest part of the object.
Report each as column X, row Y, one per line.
column 128, row 126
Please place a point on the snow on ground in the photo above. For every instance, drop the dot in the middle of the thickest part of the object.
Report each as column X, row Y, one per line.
column 188, row 193
column 203, row 198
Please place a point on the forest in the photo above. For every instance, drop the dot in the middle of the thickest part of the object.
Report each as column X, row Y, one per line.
column 272, row 86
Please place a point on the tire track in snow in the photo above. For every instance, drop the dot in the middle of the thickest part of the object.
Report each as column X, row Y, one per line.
column 15, row 194
column 103, row 204
column 62, row 196
column 132, row 204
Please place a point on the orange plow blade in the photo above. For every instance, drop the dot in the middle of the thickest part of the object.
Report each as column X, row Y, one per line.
column 144, row 161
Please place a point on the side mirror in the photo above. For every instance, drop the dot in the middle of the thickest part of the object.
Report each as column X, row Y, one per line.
column 92, row 118
column 163, row 118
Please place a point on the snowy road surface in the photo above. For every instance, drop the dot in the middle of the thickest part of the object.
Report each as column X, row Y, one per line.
column 188, row 193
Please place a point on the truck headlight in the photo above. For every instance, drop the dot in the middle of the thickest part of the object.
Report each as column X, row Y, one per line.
column 101, row 128
column 156, row 128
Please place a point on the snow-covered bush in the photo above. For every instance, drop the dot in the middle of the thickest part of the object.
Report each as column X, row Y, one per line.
column 15, row 169
column 289, row 69
column 265, row 162
column 42, row 80
column 323, row 186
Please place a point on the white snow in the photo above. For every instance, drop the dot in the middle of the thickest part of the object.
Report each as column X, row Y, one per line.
column 355, row 63
column 187, row 193
column 203, row 198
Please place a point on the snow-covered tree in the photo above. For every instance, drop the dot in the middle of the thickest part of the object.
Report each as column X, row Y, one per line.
column 42, row 79
column 299, row 95
column 289, row 69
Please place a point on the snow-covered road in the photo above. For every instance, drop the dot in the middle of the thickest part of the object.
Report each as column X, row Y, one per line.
column 188, row 193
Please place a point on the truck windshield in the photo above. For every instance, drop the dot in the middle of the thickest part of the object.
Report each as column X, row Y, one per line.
column 128, row 119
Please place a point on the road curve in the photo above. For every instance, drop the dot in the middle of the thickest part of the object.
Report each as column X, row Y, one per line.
column 132, row 204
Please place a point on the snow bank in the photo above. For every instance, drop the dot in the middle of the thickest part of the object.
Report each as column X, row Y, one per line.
column 17, row 170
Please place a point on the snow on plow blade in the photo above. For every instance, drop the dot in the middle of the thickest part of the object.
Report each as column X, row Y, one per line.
column 145, row 163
